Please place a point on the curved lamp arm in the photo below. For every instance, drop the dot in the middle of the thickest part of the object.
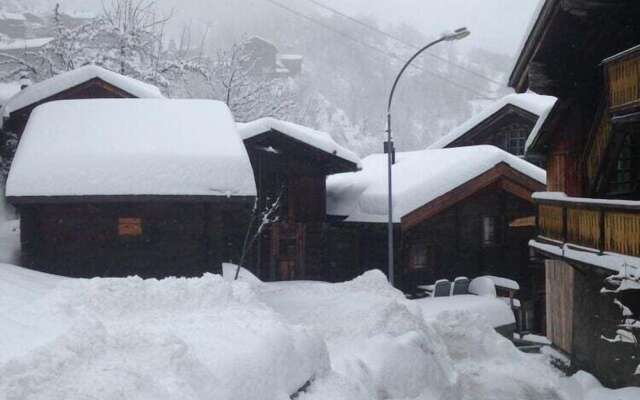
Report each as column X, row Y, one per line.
column 455, row 35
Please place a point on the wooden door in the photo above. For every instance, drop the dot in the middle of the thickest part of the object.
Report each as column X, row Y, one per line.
column 559, row 288
column 288, row 251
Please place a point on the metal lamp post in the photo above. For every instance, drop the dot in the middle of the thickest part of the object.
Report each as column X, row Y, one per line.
column 388, row 145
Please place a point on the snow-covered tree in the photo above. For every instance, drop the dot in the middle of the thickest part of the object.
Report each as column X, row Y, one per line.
column 230, row 77
column 126, row 38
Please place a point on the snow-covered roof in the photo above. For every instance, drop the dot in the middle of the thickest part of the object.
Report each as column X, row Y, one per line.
column 418, row 178
column 19, row 44
column 49, row 87
column 317, row 139
column 131, row 147
column 534, row 103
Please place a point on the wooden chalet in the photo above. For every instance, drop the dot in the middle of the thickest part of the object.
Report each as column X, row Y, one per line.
column 585, row 53
column 506, row 124
column 117, row 187
column 87, row 82
column 290, row 164
column 267, row 60
column 463, row 211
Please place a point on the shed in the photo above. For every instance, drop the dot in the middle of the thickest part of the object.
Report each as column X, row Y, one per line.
column 113, row 187
column 290, row 164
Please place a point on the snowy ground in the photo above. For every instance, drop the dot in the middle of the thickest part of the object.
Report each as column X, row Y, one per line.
column 209, row 338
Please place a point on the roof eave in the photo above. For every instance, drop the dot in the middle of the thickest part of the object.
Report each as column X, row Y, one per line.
column 518, row 77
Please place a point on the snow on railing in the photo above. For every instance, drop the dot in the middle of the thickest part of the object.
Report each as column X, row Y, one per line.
column 605, row 225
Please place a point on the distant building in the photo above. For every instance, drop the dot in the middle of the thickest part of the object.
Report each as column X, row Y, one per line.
column 267, row 60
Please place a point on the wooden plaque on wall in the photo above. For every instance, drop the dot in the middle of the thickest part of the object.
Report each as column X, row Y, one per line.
column 129, row 226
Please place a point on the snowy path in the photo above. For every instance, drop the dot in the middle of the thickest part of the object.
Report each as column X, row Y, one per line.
column 208, row 338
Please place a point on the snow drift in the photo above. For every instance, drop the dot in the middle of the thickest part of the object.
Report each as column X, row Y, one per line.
column 207, row 338
column 149, row 339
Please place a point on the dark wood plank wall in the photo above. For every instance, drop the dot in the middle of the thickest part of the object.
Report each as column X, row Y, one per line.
column 293, row 247
column 455, row 238
column 84, row 240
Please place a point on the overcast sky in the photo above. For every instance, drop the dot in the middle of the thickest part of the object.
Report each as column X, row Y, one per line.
column 496, row 25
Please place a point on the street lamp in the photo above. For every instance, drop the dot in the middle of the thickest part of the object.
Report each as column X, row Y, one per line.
column 388, row 145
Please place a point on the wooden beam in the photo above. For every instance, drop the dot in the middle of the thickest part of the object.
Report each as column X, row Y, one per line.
column 517, row 190
column 499, row 172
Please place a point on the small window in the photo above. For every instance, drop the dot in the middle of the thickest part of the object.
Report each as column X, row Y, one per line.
column 421, row 256
column 129, row 226
column 515, row 142
column 490, row 231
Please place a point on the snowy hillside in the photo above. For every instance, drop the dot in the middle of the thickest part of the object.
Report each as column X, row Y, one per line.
column 208, row 338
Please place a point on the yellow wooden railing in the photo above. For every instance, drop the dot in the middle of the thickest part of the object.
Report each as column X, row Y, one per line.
column 601, row 225
column 624, row 81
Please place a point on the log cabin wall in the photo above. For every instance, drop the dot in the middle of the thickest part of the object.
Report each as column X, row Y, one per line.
column 562, row 58
column 454, row 245
column 485, row 234
column 120, row 239
column 354, row 248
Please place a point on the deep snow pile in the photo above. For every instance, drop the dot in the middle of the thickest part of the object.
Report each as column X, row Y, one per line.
column 208, row 338
column 148, row 339
column 381, row 347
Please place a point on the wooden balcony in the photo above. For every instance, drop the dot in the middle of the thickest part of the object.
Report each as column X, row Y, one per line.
column 603, row 225
column 623, row 75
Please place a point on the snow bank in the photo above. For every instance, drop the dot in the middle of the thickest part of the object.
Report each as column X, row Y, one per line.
column 382, row 347
column 585, row 386
column 210, row 339
column 149, row 339
column 494, row 311
column 131, row 147
column 66, row 80
column 419, row 177
column 320, row 140
column 534, row 103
